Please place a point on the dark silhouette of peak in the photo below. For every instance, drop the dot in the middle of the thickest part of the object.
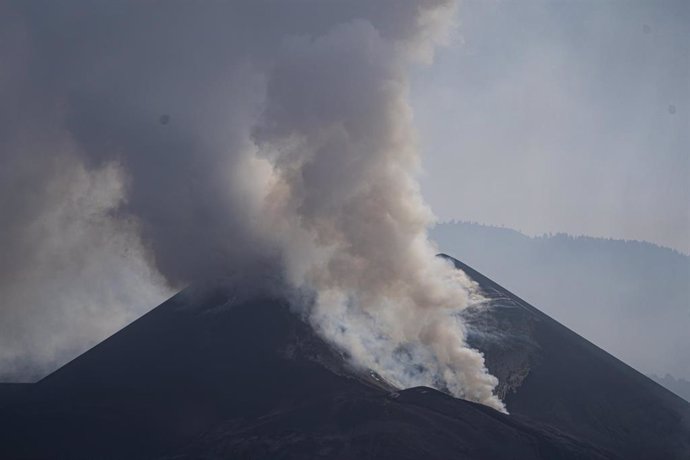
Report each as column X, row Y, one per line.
column 209, row 374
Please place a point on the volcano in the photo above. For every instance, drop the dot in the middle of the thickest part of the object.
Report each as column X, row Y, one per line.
column 209, row 374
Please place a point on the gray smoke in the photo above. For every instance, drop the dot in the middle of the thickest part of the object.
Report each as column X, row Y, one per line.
column 337, row 136
column 147, row 145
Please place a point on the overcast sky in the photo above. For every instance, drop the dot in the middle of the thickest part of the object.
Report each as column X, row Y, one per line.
column 562, row 116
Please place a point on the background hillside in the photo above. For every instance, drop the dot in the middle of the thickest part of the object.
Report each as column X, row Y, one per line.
column 631, row 298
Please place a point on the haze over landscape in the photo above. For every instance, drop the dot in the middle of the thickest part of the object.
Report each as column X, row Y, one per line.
column 562, row 117
column 630, row 298
column 278, row 171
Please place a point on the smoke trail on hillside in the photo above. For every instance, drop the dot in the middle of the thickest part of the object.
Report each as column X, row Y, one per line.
column 337, row 133
column 240, row 137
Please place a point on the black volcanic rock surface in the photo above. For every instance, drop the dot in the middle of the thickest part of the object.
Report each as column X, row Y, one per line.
column 206, row 375
column 553, row 376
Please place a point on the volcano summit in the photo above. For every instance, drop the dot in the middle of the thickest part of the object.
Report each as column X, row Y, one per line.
column 205, row 375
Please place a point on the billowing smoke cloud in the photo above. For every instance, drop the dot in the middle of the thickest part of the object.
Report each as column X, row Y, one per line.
column 178, row 141
column 337, row 131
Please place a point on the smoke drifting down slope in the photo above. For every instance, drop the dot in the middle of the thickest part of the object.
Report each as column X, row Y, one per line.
column 292, row 147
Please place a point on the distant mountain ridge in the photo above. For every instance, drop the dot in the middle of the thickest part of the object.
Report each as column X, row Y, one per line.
column 631, row 298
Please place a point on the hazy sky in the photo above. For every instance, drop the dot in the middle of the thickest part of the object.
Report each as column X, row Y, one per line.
column 144, row 145
column 562, row 116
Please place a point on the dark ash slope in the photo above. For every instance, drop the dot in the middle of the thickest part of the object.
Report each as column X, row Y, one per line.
column 206, row 376
column 553, row 376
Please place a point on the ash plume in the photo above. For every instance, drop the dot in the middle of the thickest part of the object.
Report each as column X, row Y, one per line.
column 337, row 133
column 271, row 140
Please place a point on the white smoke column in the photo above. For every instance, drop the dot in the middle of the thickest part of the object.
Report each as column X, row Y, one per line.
column 344, row 203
